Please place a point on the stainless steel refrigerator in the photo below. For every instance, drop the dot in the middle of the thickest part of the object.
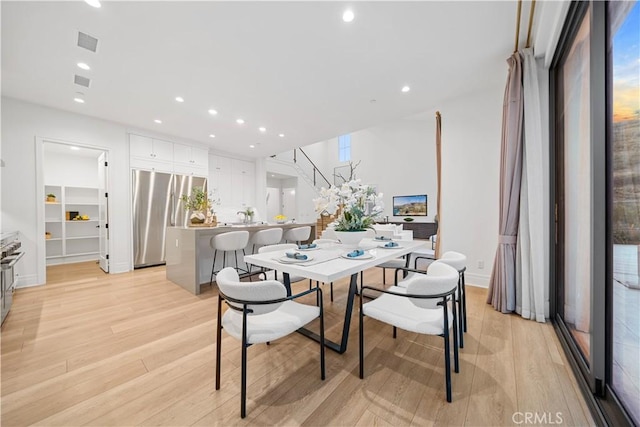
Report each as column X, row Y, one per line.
column 156, row 206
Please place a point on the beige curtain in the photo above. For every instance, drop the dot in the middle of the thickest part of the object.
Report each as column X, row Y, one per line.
column 502, row 287
column 439, row 171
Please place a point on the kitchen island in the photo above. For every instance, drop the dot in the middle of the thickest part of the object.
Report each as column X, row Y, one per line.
column 189, row 255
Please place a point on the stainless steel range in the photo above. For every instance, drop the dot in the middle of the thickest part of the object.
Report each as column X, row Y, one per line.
column 9, row 257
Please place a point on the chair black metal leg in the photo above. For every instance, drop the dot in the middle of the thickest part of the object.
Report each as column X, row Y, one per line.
column 218, row 343
column 395, row 332
column 464, row 303
column 243, row 373
column 213, row 267
column 447, row 356
column 459, row 300
column 361, row 338
column 384, row 276
column 331, row 284
column 235, row 253
column 322, row 362
column 456, row 362
column 224, row 259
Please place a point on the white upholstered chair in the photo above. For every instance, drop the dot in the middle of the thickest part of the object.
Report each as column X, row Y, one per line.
column 298, row 234
column 232, row 241
column 269, row 236
column 425, row 306
column 273, row 274
column 459, row 262
column 260, row 312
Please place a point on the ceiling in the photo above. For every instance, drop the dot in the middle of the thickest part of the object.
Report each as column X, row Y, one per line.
column 293, row 67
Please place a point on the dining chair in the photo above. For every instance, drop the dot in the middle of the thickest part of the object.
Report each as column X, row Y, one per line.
column 260, row 312
column 457, row 261
column 273, row 274
column 422, row 307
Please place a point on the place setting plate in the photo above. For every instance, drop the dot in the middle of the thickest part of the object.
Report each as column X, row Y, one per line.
column 382, row 246
column 286, row 260
column 366, row 255
column 308, row 249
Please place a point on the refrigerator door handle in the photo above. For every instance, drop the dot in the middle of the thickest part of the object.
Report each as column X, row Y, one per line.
column 173, row 210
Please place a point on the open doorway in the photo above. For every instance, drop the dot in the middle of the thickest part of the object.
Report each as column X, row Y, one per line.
column 74, row 209
column 281, row 196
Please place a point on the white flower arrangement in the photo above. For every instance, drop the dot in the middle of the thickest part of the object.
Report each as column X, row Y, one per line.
column 361, row 206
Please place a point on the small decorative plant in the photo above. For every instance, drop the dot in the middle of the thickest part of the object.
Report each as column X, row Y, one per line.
column 51, row 197
column 198, row 203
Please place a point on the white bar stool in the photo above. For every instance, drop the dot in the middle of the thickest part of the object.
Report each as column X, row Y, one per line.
column 270, row 236
column 225, row 242
column 298, row 234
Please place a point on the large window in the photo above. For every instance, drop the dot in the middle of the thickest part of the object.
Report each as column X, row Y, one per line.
column 595, row 81
column 344, row 148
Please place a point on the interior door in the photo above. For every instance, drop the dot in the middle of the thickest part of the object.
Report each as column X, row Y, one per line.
column 103, row 212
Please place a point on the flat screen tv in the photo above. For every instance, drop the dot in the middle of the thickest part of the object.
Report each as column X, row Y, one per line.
column 410, row 205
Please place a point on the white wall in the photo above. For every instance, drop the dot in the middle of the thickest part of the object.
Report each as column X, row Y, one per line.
column 22, row 123
column 69, row 170
column 305, row 193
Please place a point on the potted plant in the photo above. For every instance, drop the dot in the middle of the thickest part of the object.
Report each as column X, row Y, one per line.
column 359, row 207
column 198, row 203
column 51, row 197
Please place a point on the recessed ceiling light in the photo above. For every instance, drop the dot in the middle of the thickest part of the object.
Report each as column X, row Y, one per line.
column 262, row 129
column 158, row 121
column 281, row 135
column 272, row 175
column 83, row 66
column 79, row 100
column 94, row 3
column 213, row 112
column 348, row 15
column 179, row 99
column 73, row 147
column 405, row 89
column 240, row 121
column 252, row 146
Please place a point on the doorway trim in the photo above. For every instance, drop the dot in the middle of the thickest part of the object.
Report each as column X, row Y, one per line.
column 41, row 252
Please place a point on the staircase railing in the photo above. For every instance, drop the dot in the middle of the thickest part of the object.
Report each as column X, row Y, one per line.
column 306, row 161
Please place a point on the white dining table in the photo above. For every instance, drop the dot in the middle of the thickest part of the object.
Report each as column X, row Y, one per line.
column 327, row 263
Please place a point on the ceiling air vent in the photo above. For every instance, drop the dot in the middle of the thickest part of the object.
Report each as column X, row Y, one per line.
column 82, row 81
column 87, row 42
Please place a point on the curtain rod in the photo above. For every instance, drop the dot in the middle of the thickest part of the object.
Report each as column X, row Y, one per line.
column 518, row 25
column 531, row 12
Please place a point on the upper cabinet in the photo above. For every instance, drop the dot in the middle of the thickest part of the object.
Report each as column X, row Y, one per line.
column 187, row 157
column 165, row 156
column 233, row 181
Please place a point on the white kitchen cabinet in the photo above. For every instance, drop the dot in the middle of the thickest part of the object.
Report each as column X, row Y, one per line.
column 221, row 180
column 190, row 160
column 150, row 154
column 243, row 183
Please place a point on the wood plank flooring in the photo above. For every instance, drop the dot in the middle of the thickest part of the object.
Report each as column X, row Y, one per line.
column 134, row 349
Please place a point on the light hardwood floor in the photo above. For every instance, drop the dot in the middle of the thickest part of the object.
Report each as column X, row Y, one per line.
column 135, row 349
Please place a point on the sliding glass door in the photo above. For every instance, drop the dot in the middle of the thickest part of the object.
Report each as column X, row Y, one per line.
column 624, row 144
column 595, row 82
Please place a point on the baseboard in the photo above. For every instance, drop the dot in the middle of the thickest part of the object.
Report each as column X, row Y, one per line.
column 478, row 280
column 27, row 281
column 121, row 267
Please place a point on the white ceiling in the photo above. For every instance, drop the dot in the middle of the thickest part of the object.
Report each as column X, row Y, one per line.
column 293, row 67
